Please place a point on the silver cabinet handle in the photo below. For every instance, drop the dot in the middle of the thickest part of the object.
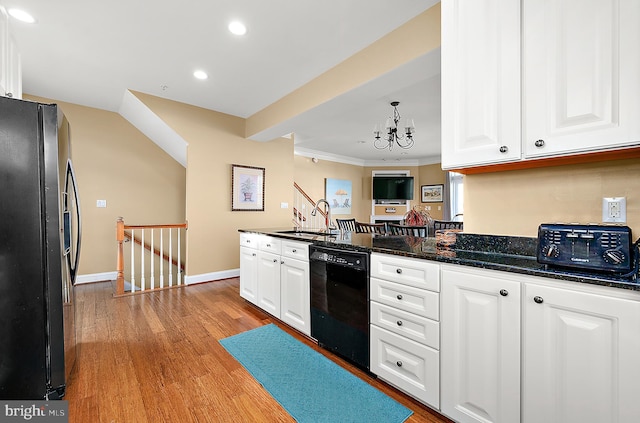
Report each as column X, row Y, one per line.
column 294, row 250
column 504, row 292
column 399, row 363
column 399, row 322
column 504, row 149
column 399, row 271
column 275, row 260
column 399, row 296
column 539, row 143
column 538, row 299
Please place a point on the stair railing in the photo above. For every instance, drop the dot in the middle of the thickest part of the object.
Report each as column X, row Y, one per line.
column 302, row 207
column 163, row 251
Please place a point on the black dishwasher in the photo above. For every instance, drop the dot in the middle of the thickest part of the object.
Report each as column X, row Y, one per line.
column 340, row 302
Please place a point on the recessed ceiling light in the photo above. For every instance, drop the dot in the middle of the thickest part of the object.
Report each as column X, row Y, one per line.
column 237, row 28
column 21, row 15
column 200, row 74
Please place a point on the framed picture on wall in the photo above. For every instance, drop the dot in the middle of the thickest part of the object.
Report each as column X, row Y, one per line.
column 431, row 193
column 247, row 188
column 338, row 194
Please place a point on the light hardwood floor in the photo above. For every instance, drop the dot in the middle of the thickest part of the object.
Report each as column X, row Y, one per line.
column 156, row 358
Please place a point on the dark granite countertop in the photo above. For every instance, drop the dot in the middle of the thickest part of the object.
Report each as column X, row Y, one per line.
column 504, row 253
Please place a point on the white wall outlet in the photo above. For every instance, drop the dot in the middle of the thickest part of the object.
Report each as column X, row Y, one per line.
column 614, row 209
column 284, row 205
column 101, row 203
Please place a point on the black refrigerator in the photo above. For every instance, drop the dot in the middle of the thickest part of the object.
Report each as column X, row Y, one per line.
column 39, row 249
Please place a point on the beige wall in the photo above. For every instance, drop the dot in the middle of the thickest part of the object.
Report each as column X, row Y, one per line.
column 431, row 175
column 516, row 202
column 216, row 141
column 311, row 178
column 115, row 162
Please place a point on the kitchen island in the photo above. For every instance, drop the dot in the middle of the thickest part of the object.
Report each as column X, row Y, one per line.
column 475, row 328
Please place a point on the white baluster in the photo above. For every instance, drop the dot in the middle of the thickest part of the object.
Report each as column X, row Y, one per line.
column 153, row 281
column 133, row 267
column 179, row 259
column 170, row 259
column 161, row 261
column 142, row 281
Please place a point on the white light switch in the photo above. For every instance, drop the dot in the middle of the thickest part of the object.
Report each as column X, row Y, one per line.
column 284, row 205
column 101, row 203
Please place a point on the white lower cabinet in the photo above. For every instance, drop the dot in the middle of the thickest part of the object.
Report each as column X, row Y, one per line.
column 274, row 275
column 295, row 294
column 580, row 362
column 405, row 328
column 573, row 348
column 480, row 346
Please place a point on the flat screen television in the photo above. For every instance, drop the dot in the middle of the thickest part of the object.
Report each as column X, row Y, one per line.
column 393, row 187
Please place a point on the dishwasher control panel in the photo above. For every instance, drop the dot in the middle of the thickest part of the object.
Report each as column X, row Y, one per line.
column 592, row 247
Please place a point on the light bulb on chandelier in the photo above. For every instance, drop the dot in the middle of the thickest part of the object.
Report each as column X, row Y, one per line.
column 392, row 137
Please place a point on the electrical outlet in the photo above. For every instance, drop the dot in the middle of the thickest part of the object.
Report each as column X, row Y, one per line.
column 614, row 209
column 101, row 203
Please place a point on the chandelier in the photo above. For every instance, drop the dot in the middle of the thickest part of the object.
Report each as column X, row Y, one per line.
column 392, row 137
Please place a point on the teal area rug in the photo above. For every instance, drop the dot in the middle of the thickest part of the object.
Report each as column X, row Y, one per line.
column 312, row 388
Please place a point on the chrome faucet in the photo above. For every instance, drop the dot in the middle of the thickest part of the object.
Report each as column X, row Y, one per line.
column 330, row 225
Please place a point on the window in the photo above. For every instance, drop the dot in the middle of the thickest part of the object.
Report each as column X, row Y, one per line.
column 456, row 193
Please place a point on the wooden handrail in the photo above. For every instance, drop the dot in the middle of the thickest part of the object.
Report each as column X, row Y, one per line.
column 122, row 233
column 309, row 199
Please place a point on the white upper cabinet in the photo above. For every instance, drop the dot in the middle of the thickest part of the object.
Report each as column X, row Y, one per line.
column 573, row 88
column 480, row 82
column 10, row 67
column 581, row 80
column 4, row 50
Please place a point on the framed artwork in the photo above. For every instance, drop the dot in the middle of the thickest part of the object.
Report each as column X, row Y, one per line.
column 338, row 194
column 247, row 188
column 431, row 193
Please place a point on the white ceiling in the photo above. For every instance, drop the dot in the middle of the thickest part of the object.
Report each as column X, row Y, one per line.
column 90, row 52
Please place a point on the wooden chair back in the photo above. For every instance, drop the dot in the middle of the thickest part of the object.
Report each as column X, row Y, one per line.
column 348, row 225
column 371, row 228
column 397, row 229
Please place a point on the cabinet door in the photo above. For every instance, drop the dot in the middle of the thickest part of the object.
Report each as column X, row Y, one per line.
column 580, row 357
column 581, row 67
column 480, row 82
column 4, row 51
column 249, row 274
column 269, row 282
column 480, row 350
column 294, row 294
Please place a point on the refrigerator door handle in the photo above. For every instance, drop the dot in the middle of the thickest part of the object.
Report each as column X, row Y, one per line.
column 72, row 186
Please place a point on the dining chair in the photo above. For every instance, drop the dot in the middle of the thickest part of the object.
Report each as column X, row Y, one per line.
column 442, row 224
column 348, row 225
column 397, row 229
column 371, row 228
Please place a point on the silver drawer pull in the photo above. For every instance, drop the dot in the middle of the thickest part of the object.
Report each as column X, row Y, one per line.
column 268, row 245
column 399, row 322
column 275, row 260
column 399, row 363
column 294, row 251
column 399, row 271
column 399, row 296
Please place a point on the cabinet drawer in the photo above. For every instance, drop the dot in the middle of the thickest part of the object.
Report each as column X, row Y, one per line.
column 270, row 244
column 408, row 365
column 295, row 250
column 413, row 272
column 249, row 240
column 412, row 326
column 408, row 298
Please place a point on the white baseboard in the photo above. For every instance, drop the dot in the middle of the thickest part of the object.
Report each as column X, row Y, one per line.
column 96, row 277
column 188, row 280
column 213, row 276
